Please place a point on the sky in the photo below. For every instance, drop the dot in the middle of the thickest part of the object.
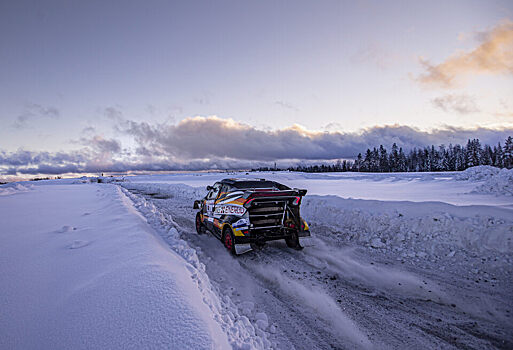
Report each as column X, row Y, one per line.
column 159, row 85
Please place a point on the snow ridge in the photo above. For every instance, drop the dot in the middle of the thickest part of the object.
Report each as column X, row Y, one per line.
column 241, row 333
column 427, row 230
column 15, row 187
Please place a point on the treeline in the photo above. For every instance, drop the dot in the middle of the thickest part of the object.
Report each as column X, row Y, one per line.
column 441, row 158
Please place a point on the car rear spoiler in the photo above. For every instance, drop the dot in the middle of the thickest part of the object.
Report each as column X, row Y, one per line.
column 253, row 193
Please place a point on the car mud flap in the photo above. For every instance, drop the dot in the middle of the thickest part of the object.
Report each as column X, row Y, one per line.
column 242, row 248
column 306, row 241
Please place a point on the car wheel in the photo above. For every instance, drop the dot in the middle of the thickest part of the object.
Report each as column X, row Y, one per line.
column 293, row 241
column 200, row 227
column 229, row 240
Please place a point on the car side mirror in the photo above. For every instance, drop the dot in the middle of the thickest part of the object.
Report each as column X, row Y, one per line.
column 209, row 188
column 197, row 204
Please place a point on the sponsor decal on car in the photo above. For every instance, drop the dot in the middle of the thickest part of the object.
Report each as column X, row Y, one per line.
column 242, row 223
column 229, row 210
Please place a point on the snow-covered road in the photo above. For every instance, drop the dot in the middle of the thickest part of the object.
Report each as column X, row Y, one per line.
column 400, row 261
column 445, row 284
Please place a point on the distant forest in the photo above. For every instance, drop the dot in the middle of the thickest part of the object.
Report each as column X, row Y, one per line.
column 441, row 158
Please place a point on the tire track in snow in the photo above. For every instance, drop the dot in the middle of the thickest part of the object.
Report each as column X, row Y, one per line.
column 389, row 305
column 298, row 326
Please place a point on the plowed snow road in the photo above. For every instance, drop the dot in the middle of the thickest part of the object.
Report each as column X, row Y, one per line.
column 336, row 295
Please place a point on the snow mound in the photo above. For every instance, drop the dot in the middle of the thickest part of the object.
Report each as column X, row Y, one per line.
column 414, row 230
column 500, row 184
column 13, row 188
column 478, row 173
column 495, row 181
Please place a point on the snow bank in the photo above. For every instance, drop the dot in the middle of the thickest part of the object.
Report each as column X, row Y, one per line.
column 501, row 183
column 241, row 332
column 494, row 180
column 412, row 229
column 82, row 269
column 477, row 173
column 15, row 187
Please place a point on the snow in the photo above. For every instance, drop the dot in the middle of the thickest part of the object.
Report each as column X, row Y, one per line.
column 79, row 271
column 478, row 173
column 408, row 260
column 13, row 188
column 448, row 187
column 240, row 331
column 426, row 231
column 492, row 180
column 430, row 228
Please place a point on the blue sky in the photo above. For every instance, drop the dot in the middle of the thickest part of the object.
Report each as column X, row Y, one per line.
column 73, row 72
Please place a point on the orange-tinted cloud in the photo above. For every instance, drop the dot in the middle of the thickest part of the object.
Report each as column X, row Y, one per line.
column 494, row 55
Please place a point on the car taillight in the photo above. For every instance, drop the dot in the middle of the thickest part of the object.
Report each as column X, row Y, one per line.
column 248, row 203
column 296, row 201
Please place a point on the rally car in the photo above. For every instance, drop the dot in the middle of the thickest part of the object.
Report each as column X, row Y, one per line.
column 246, row 213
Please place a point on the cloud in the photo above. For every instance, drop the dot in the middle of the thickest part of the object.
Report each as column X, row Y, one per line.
column 33, row 163
column 462, row 104
column 101, row 152
column 102, row 145
column 23, row 158
column 493, row 55
column 286, row 106
column 113, row 113
column 33, row 112
column 213, row 137
column 89, row 130
column 215, row 143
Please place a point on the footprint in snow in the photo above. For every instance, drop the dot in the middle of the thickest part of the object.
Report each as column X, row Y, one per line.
column 85, row 214
column 65, row 229
column 79, row 244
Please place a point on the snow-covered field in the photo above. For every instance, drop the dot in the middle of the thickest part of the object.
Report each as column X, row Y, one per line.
column 399, row 261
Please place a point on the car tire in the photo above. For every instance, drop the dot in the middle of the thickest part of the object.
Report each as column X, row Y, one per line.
column 229, row 240
column 293, row 241
column 200, row 226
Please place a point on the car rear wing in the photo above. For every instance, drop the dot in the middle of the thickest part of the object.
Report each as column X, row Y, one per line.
column 265, row 192
column 258, row 195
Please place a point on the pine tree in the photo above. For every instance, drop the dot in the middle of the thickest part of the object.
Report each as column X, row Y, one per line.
column 383, row 160
column 499, row 156
column 358, row 163
column 451, row 158
column 367, row 163
column 401, row 164
column 375, row 160
column 393, row 159
column 508, row 153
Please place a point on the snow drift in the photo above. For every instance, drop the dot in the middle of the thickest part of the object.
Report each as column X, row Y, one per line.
column 79, row 271
column 491, row 179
